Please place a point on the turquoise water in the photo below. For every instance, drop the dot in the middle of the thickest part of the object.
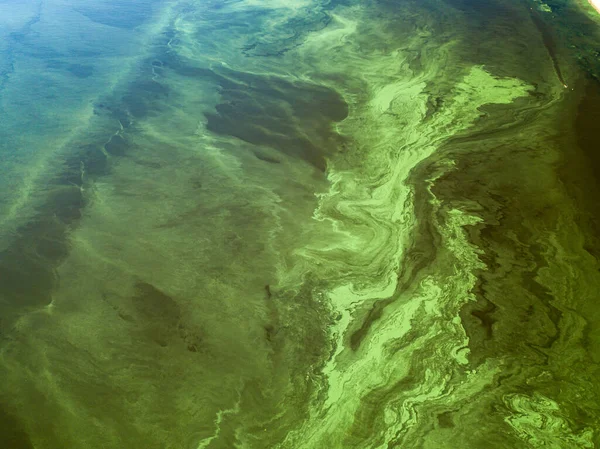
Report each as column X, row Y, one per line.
column 299, row 225
column 58, row 60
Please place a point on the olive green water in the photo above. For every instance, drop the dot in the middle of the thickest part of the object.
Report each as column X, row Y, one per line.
column 299, row 225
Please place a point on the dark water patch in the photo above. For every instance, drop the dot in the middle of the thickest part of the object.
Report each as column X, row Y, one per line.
column 484, row 310
column 71, row 176
column 264, row 130
column 548, row 39
column 162, row 322
column 126, row 15
column 121, row 114
column 294, row 118
column 137, row 107
column 153, row 304
column 81, row 70
column 84, row 53
column 180, row 66
column 148, row 164
column 12, row 435
column 445, row 420
column 578, row 33
column 117, row 146
column 149, row 87
column 21, row 34
column 27, row 266
column 581, row 166
column 580, row 173
column 476, row 10
column 305, row 99
column 514, row 314
column 495, row 33
column 373, row 315
column 55, row 64
column 89, row 158
column 16, row 39
column 18, row 36
column 266, row 158
column 42, row 52
column 586, row 126
column 434, row 105
column 78, row 70
column 144, row 98
column 67, row 203
column 169, row 34
column 85, row 161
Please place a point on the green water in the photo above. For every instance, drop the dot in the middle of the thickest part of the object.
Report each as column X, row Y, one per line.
column 299, row 224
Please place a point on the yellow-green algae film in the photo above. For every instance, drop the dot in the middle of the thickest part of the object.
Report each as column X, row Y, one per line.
column 299, row 224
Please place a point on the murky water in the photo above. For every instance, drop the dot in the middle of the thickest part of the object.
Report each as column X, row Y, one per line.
column 299, row 224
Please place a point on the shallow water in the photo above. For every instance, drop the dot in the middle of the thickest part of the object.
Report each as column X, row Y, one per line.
column 297, row 225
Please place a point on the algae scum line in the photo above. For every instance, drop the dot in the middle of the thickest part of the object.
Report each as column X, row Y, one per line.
column 299, row 224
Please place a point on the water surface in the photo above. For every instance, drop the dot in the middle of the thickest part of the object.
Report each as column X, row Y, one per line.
column 299, row 225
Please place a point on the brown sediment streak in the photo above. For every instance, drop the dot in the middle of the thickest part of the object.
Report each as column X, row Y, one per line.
column 548, row 43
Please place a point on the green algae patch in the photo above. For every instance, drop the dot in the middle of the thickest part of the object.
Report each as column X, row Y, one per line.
column 481, row 87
